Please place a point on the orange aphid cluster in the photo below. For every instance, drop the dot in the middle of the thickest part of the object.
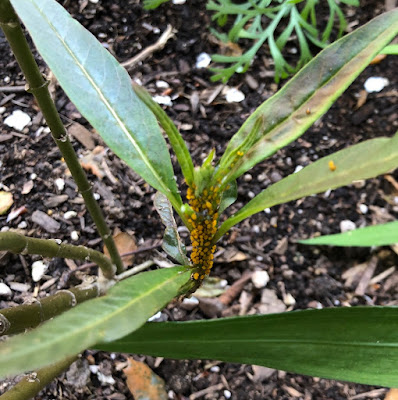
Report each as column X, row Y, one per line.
column 204, row 227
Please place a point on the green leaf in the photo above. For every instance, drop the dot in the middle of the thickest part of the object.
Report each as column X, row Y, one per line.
column 125, row 308
column 361, row 161
column 390, row 49
column 358, row 344
column 176, row 140
column 172, row 243
column 377, row 235
column 290, row 112
column 101, row 90
column 229, row 197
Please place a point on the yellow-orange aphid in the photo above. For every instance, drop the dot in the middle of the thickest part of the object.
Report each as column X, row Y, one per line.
column 239, row 153
column 332, row 165
column 204, row 226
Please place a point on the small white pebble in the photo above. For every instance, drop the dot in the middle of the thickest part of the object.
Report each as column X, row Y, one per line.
column 60, row 184
column 165, row 100
column 22, row 225
column 375, row 84
column 94, row 1
column 70, row 214
column 5, row 290
column 262, row 177
column 227, row 394
column 247, row 177
column 259, row 258
column 94, row 368
column 33, row 176
column 97, row 196
column 105, row 379
column 347, row 225
column 7, row 79
column 4, row 229
column 289, row 300
column 298, row 168
column 363, row 208
column 2, row 109
column 155, row 317
column 256, row 229
column 299, row 211
column 234, row 95
column 190, row 304
column 38, row 270
column 17, row 120
column 251, row 194
column 74, row 236
column 215, row 368
column 179, row 2
column 203, row 60
column 223, row 283
column 267, row 211
column 162, row 84
column 260, row 279
column 170, row 394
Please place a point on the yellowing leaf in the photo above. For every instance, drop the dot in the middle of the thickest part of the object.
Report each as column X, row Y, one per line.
column 6, row 202
column 143, row 383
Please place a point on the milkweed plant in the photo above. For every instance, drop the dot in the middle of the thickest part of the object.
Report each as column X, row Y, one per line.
column 357, row 344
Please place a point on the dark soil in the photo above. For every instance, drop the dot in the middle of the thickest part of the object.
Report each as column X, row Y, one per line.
column 311, row 275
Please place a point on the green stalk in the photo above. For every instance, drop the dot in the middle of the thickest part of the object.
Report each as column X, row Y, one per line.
column 29, row 386
column 38, row 86
column 20, row 244
column 17, row 319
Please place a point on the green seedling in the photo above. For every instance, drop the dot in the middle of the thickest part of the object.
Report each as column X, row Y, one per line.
column 339, row 343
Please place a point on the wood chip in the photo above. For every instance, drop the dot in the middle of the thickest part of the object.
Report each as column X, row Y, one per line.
column 366, row 277
column 55, row 201
column 46, row 222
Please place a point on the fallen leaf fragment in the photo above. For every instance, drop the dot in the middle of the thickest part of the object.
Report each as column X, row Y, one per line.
column 392, row 395
column 6, row 202
column 83, row 135
column 16, row 213
column 125, row 243
column 143, row 383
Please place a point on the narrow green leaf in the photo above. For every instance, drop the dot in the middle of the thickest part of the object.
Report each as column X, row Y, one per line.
column 101, row 90
column 377, row 235
column 358, row 344
column 361, row 161
column 290, row 112
column 176, row 140
column 390, row 49
column 172, row 243
column 125, row 308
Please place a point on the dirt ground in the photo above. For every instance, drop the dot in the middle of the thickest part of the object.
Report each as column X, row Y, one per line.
column 31, row 168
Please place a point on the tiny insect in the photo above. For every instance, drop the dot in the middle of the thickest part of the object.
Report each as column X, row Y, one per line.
column 332, row 165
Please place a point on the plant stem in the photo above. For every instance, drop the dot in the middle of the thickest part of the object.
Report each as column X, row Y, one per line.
column 17, row 319
column 20, row 244
column 29, row 386
column 38, row 86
